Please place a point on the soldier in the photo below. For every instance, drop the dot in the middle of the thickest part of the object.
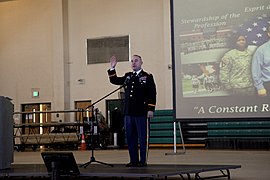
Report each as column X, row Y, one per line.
column 195, row 84
column 235, row 69
column 140, row 102
column 261, row 68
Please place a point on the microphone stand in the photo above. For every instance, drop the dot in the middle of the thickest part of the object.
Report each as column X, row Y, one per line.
column 93, row 159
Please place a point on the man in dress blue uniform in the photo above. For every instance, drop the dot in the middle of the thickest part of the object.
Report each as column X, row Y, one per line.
column 140, row 102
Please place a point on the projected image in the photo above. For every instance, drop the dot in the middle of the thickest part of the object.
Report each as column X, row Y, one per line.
column 200, row 54
column 213, row 54
column 200, row 80
column 218, row 63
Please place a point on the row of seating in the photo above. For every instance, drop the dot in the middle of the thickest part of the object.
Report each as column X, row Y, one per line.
column 253, row 134
column 161, row 128
column 235, row 134
column 238, row 124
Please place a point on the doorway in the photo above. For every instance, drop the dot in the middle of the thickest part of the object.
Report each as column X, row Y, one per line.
column 35, row 118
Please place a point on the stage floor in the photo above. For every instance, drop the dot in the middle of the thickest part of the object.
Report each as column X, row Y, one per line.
column 119, row 170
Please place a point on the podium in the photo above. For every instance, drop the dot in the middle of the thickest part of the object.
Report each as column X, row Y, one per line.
column 6, row 133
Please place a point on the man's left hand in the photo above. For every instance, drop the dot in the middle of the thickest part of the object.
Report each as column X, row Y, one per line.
column 150, row 114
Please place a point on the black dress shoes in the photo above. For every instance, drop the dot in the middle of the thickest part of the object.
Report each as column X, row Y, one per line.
column 132, row 164
column 142, row 164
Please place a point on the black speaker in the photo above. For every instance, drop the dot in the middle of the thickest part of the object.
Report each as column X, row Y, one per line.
column 60, row 164
column 6, row 133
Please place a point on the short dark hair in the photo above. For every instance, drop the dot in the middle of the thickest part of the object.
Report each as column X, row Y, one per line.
column 138, row 56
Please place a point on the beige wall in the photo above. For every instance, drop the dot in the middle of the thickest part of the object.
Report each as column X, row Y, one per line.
column 31, row 51
column 43, row 45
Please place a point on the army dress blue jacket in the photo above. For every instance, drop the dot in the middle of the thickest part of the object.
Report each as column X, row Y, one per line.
column 140, row 91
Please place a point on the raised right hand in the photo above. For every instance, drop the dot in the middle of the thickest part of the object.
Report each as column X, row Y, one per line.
column 113, row 61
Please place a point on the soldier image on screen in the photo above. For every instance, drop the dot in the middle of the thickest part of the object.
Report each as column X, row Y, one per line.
column 235, row 68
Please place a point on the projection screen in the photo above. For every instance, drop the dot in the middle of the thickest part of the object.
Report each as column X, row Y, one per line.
column 209, row 81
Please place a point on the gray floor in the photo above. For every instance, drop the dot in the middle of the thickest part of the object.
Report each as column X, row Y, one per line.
column 255, row 165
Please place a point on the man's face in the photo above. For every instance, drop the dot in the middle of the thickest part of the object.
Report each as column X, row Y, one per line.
column 136, row 63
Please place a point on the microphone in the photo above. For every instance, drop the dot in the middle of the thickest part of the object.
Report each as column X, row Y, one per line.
column 127, row 80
